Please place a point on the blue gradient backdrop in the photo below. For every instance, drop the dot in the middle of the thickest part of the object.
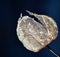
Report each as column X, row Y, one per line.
column 10, row 11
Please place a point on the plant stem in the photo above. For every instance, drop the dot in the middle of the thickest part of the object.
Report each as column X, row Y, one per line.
column 52, row 51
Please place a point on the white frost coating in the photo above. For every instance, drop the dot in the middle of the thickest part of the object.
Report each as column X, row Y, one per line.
column 36, row 35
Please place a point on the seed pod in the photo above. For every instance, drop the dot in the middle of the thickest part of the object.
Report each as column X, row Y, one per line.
column 35, row 35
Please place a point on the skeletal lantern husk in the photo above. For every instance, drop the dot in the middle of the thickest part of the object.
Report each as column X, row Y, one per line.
column 36, row 35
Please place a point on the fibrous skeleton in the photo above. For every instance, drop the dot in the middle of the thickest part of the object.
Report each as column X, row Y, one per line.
column 35, row 35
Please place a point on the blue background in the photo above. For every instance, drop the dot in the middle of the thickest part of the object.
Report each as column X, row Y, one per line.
column 10, row 11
